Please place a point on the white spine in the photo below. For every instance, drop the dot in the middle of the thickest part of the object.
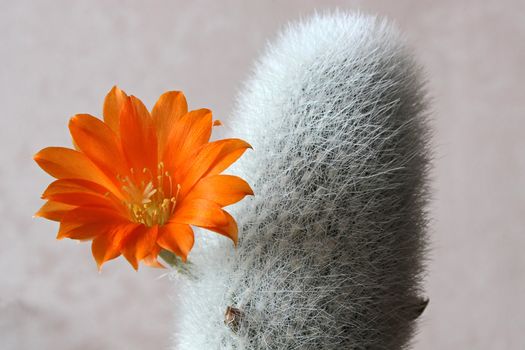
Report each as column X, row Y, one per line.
column 330, row 250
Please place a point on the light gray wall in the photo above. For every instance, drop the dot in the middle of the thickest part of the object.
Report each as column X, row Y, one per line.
column 60, row 58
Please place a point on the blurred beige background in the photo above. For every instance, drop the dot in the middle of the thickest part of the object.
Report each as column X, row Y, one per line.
column 59, row 58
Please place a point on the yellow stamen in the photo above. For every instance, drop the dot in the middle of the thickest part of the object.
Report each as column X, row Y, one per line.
column 147, row 203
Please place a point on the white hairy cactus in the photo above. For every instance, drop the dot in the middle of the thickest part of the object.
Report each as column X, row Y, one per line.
column 330, row 247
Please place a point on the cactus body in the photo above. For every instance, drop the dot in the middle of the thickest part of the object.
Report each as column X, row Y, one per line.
column 331, row 246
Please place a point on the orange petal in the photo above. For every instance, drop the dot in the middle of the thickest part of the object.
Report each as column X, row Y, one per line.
column 177, row 238
column 107, row 245
column 99, row 142
column 229, row 230
column 217, row 122
column 199, row 212
column 82, row 232
column 138, row 137
column 141, row 110
column 53, row 210
column 65, row 163
column 152, row 259
column 211, row 159
column 90, row 215
column 74, row 185
column 112, row 106
column 79, row 192
column 189, row 133
column 139, row 244
column 88, row 222
column 170, row 107
column 221, row 189
column 232, row 149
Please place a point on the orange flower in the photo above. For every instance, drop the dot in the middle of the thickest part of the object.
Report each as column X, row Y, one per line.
column 138, row 180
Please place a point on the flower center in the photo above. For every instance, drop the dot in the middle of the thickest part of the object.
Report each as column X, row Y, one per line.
column 153, row 202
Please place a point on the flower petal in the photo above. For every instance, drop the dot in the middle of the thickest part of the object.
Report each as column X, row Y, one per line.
column 232, row 149
column 99, row 143
column 53, row 210
column 199, row 212
column 221, row 189
column 88, row 222
column 177, row 238
column 107, row 244
column 152, row 259
column 138, row 138
column 139, row 244
column 211, row 159
column 190, row 132
column 91, row 214
column 112, row 106
column 170, row 107
column 81, row 232
column 65, row 163
column 79, row 192
column 229, row 230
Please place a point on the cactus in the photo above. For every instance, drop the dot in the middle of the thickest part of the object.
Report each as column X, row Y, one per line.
column 331, row 247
